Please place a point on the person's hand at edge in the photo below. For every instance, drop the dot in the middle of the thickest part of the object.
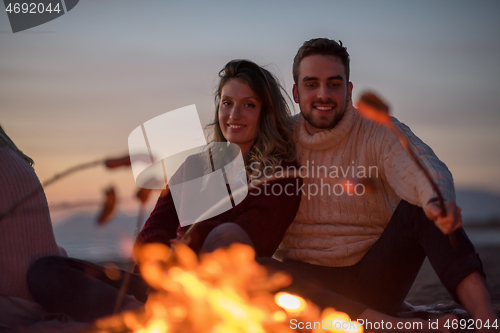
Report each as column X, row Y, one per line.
column 449, row 223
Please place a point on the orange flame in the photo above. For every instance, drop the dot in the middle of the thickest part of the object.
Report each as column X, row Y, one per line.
column 224, row 291
column 340, row 322
column 291, row 303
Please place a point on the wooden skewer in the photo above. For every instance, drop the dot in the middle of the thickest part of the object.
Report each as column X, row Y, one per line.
column 372, row 107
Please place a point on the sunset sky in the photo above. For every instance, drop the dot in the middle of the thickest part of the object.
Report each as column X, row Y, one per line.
column 73, row 89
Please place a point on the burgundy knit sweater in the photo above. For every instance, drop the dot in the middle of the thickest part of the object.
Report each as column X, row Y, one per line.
column 264, row 216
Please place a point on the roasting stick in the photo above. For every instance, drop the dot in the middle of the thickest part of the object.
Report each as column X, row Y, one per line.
column 371, row 107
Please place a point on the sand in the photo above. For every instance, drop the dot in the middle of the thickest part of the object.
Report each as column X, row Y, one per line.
column 427, row 288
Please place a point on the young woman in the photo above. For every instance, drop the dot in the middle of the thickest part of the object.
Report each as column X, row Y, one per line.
column 251, row 113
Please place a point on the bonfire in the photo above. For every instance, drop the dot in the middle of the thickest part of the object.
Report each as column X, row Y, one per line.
column 225, row 291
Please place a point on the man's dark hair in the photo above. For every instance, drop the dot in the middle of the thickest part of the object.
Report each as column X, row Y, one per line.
column 321, row 46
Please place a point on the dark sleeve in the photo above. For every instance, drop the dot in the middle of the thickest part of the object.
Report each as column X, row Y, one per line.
column 265, row 214
column 162, row 224
column 268, row 216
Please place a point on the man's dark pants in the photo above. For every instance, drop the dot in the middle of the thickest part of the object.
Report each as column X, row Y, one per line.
column 384, row 276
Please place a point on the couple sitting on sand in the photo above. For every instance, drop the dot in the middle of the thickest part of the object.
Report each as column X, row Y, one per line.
column 357, row 251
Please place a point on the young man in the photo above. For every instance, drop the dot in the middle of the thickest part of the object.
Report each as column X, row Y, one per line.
column 369, row 245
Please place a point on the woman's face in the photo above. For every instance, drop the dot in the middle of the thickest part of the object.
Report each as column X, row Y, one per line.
column 239, row 112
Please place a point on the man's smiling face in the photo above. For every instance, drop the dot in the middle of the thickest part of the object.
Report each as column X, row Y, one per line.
column 322, row 91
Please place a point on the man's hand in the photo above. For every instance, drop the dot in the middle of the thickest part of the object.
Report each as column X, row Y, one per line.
column 449, row 223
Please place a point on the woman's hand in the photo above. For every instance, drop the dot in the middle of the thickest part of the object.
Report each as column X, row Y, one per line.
column 183, row 240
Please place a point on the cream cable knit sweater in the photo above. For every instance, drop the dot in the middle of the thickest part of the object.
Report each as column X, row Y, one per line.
column 334, row 229
column 27, row 233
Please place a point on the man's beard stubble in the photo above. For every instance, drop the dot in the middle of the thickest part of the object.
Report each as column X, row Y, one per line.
column 338, row 117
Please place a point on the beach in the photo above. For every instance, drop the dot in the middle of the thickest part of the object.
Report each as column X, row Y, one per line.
column 427, row 288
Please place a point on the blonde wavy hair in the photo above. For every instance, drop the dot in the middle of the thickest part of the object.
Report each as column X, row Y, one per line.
column 274, row 142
